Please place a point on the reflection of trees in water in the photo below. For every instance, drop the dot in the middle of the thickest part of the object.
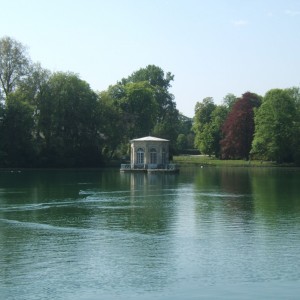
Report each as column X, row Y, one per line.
column 101, row 221
column 276, row 192
column 224, row 193
column 145, row 215
column 242, row 193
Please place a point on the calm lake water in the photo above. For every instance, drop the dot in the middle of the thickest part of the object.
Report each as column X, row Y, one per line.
column 206, row 233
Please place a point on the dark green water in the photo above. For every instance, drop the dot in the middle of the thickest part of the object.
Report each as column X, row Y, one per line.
column 228, row 233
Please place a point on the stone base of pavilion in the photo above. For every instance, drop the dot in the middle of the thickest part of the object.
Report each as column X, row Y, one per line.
column 150, row 168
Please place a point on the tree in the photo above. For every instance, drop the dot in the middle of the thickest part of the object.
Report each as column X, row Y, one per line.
column 229, row 100
column 202, row 119
column 167, row 125
column 140, row 107
column 135, row 102
column 69, row 122
column 276, row 127
column 33, row 85
column 17, row 145
column 154, row 75
column 14, row 64
column 185, row 138
column 294, row 92
column 181, row 142
column 218, row 118
column 238, row 128
column 112, row 120
column 2, row 150
column 208, row 126
column 167, row 115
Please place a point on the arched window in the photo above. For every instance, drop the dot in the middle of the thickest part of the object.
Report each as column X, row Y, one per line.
column 140, row 156
column 153, row 156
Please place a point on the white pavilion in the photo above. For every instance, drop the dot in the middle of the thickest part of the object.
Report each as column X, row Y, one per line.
column 149, row 154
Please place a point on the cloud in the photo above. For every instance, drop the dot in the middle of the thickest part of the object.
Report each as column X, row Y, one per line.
column 240, row 23
column 292, row 13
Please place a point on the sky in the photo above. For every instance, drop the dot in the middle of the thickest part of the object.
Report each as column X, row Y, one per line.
column 212, row 47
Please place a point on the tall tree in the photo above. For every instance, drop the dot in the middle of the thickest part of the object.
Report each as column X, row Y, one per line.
column 17, row 144
column 229, row 100
column 112, row 120
column 202, row 120
column 186, row 136
column 276, row 127
column 69, row 122
column 238, row 129
column 218, row 118
column 14, row 64
column 154, row 75
column 140, row 106
column 167, row 115
column 2, row 150
column 294, row 92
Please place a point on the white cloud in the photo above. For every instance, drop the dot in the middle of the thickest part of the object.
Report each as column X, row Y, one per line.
column 240, row 23
column 292, row 13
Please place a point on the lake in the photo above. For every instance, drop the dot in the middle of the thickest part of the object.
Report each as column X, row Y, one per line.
column 205, row 233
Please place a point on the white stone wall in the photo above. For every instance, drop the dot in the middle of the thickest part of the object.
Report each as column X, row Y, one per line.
column 146, row 146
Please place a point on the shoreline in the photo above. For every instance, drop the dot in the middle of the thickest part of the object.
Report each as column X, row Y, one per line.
column 206, row 161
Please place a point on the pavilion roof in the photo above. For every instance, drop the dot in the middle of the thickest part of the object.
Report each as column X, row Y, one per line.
column 149, row 138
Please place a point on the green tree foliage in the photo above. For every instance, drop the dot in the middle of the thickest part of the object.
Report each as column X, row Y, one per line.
column 238, row 128
column 167, row 115
column 277, row 127
column 182, row 143
column 167, row 126
column 139, row 107
column 294, row 92
column 202, row 123
column 14, row 65
column 33, row 86
column 207, row 126
column 69, row 122
column 186, row 136
column 154, row 75
column 57, row 120
column 229, row 100
column 113, row 126
column 218, row 118
column 17, row 147
column 142, row 105
column 132, row 108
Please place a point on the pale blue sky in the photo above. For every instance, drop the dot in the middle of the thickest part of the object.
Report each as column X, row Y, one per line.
column 213, row 47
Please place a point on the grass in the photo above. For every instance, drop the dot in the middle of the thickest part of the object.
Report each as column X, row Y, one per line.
column 205, row 160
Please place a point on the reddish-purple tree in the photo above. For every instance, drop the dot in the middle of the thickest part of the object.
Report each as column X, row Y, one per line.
column 238, row 128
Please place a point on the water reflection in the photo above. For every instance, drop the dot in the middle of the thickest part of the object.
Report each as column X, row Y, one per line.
column 149, row 199
column 100, row 232
column 276, row 192
column 225, row 192
column 254, row 215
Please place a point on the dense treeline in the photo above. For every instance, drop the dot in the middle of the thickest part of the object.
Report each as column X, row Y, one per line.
column 56, row 119
column 251, row 127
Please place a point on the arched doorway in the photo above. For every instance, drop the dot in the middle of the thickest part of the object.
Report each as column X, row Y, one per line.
column 153, row 156
column 140, row 156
